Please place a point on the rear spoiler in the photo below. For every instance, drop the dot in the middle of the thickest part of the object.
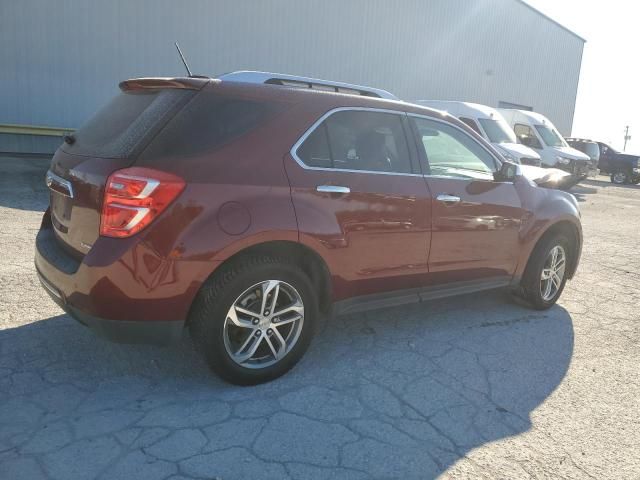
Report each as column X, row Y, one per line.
column 185, row 83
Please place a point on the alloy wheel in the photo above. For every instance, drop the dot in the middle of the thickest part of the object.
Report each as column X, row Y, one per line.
column 620, row 178
column 263, row 324
column 553, row 273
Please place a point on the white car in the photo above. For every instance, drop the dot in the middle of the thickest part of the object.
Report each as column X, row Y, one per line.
column 488, row 123
column 536, row 131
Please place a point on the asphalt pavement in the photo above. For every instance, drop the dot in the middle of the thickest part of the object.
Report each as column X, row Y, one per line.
column 469, row 387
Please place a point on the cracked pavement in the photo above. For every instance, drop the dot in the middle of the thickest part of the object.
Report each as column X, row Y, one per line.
column 468, row 387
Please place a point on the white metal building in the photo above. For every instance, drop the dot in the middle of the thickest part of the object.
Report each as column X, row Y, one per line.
column 60, row 61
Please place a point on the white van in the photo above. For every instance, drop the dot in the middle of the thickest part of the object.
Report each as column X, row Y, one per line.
column 536, row 131
column 488, row 123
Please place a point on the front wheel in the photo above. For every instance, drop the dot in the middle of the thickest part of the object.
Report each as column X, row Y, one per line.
column 620, row 177
column 546, row 273
column 254, row 320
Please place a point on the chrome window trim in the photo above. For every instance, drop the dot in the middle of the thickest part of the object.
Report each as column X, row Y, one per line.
column 317, row 123
column 53, row 178
column 426, row 117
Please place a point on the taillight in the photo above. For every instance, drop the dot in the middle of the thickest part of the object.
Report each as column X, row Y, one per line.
column 134, row 197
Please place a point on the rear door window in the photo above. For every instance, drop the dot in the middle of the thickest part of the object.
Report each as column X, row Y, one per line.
column 124, row 126
column 358, row 140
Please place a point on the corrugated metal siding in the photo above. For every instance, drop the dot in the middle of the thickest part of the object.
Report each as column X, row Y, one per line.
column 60, row 61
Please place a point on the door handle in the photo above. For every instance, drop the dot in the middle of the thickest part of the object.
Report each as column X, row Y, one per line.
column 448, row 199
column 333, row 189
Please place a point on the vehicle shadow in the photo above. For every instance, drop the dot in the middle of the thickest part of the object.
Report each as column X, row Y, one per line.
column 603, row 182
column 581, row 191
column 399, row 393
column 22, row 183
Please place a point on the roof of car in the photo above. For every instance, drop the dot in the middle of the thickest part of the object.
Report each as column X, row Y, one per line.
column 582, row 140
column 324, row 99
column 460, row 108
column 321, row 100
column 533, row 117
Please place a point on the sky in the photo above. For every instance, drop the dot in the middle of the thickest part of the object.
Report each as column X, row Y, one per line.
column 609, row 89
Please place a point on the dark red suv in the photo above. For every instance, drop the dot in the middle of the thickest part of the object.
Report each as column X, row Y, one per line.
column 247, row 210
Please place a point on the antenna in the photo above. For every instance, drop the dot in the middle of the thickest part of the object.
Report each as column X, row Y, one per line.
column 183, row 60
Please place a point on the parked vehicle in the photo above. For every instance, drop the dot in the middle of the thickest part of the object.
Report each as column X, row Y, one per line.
column 536, row 131
column 247, row 211
column 622, row 167
column 589, row 148
column 489, row 124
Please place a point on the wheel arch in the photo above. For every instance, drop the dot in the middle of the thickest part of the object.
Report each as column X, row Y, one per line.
column 572, row 232
column 309, row 261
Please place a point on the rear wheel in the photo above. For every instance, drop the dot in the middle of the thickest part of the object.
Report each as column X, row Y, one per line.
column 546, row 273
column 620, row 177
column 254, row 320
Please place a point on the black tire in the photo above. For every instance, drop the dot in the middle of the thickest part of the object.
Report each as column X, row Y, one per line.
column 530, row 286
column 218, row 294
column 620, row 177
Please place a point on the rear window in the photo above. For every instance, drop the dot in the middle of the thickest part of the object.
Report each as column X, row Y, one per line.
column 126, row 124
column 206, row 123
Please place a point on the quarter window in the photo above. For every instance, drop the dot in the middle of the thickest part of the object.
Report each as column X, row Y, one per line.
column 314, row 152
column 452, row 153
column 358, row 140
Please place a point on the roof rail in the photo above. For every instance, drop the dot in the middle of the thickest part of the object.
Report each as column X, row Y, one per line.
column 248, row 76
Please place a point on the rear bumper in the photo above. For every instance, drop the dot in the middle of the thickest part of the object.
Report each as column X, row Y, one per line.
column 123, row 291
column 119, row 331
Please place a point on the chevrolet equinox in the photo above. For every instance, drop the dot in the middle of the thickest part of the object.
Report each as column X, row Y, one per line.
column 248, row 207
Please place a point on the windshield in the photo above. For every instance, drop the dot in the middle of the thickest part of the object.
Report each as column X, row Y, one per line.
column 498, row 131
column 550, row 136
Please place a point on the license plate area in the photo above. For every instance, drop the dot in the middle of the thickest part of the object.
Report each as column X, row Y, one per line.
column 61, row 207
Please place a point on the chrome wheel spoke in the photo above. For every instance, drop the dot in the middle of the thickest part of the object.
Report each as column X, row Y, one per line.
column 250, row 337
column 241, row 357
column 246, row 312
column 553, row 273
column 272, row 287
column 298, row 308
column 278, row 353
column 286, row 321
column 237, row 321
column 281, row 340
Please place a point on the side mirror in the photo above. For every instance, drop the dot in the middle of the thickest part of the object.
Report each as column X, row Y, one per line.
column 507, row 173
